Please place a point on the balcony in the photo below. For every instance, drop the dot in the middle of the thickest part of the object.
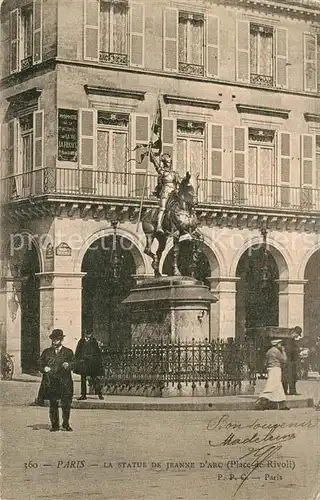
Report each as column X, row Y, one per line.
column 114, row 58
column 262, row 80
column 191, row 69
column 96, row 184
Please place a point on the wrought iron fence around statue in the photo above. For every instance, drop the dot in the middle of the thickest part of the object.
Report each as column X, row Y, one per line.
column 218, row 367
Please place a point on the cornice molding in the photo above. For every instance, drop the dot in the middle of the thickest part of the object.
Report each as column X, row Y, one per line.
column 110, row 91
column 191, row 101
column 24, row 97
column 311, row 117
column 263, row 110
column 292, row 7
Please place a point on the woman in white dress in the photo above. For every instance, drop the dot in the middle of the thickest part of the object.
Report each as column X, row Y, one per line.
column 273, row 395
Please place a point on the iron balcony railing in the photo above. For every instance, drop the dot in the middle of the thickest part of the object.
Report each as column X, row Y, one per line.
column 221, row 367
column 97, row 183
column 113, row 58
column 262, row 80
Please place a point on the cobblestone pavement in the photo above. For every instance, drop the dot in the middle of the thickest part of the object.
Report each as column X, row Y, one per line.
column 136, row 455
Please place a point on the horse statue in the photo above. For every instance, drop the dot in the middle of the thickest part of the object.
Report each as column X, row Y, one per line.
column 179, row 220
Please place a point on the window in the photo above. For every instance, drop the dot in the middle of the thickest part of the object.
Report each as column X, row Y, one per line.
column 113, row 32
column 190, row 147
column 26, row 36
column 261, row 156
column 310, row 62
column 191, row 42
column 26, row 133
column 261, row 55
column 112, row 152
column 25, row 152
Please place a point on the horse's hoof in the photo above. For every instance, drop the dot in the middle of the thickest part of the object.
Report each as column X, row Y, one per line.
column 176, row 273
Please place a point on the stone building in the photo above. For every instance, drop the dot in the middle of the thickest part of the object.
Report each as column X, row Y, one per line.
column 238, row 84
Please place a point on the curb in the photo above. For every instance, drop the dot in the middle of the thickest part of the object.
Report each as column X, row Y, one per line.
column 176, row 406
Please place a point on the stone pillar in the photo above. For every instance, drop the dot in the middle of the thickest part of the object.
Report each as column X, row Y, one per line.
column 224, row 288
column 11, row 320
column 60, row 306
column 291, row 303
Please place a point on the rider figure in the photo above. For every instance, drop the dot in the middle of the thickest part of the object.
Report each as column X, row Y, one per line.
column 168, row 181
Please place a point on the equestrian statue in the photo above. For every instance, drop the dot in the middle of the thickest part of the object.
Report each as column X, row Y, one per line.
column 175, row 216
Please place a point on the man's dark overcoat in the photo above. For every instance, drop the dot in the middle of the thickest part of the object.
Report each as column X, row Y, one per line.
column 291, row 367
column 88, row 358
column 58, row 382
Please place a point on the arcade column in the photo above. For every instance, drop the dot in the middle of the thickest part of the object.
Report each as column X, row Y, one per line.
column 291, row 302
column 60, row 306
column 223, row 312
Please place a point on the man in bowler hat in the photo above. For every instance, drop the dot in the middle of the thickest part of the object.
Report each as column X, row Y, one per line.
column 56, row 364
column 89, row 364
column 291, row 367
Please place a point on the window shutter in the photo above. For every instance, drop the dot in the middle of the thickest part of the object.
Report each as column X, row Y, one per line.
column 37, row 31
column 307, row 160
column 13, row 158
column 87, row 149
column 240, row 148
column 91, row 30
column 307, row 170
column 14, row 40
column 87, row 128
column 38, row 141
column 169, row 135
column 243, row 51
column 282, row 57
column 212, row 35
column 137, row 25
column 4, row 148
column 213, row 186
column 170, row 39
column 140, row 136
column 310, row 62
column 284, row 173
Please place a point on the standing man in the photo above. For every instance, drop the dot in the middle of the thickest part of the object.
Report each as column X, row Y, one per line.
column 56, row 364
column 291, row 368
column 89, row 364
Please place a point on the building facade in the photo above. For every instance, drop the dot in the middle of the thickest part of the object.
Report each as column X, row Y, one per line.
column 238, row 84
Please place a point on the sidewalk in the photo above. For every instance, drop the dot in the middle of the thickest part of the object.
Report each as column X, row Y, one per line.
column 309, row 389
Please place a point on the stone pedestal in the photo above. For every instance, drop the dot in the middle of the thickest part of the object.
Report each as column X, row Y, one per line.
column 169, row 308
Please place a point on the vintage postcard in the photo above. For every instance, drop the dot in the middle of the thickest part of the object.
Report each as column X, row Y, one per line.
column 160, row 251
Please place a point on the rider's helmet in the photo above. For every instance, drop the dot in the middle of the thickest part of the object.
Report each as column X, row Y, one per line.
column 166, row 161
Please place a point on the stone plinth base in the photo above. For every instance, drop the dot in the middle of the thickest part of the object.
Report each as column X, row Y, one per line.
column 168, row 308
column 186, row 390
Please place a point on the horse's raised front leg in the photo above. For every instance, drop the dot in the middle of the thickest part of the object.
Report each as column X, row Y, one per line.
column 176, row 245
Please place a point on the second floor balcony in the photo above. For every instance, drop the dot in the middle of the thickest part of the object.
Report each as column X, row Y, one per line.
column 123, row 186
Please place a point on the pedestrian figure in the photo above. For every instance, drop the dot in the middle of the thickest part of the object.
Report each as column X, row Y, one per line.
column 273, row 396
column 89, row 364
column 56, row 364
column 291, row 368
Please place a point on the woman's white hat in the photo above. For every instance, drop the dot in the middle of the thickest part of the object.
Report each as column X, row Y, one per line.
column 275, row 341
